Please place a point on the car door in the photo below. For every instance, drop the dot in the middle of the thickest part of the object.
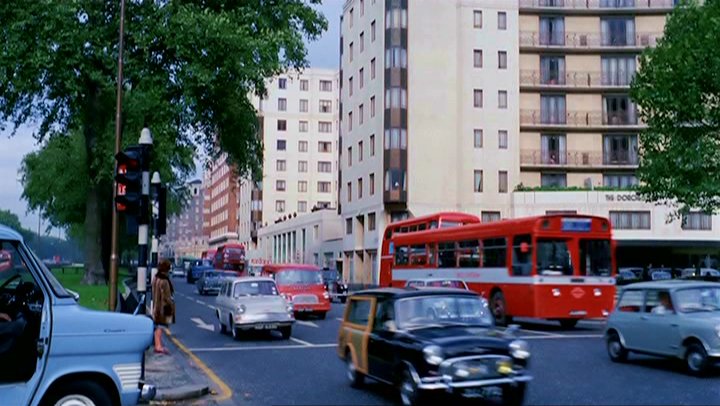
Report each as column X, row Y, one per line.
column 355, row 331
column 661, row 330
column 626, row 318
column 221, row 301
column 380, row 345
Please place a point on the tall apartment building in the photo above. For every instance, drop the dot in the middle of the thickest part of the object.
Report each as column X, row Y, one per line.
column 221, row 193
column 298, row 121
column 185, row 236
column 429, row 115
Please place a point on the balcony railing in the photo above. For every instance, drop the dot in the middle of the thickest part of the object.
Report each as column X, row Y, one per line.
column 577, row 119
column 599, row 4
column 587, row 40
column 574, row 79
column 588, row 159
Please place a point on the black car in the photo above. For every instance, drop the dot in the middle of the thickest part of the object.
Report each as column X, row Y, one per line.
column 436, row 340
column 335, row 285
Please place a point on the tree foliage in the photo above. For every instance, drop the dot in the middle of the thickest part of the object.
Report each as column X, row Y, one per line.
column 678, row 91
column 190, row 67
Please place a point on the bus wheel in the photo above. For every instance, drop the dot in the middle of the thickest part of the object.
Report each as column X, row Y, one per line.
column 499, row 309
column 568, row 323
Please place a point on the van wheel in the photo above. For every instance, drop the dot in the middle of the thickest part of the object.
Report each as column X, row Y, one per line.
column 696, row 359
column 82, row 393
column 355, row 377
column 499, row 309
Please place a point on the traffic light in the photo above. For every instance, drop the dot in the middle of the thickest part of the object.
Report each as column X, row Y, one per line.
column 129, row 180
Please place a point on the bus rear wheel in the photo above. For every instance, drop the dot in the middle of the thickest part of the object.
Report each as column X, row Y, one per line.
column 568, row 323
column 499, row 309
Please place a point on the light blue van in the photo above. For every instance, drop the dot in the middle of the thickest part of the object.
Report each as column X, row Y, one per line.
column 55, row 352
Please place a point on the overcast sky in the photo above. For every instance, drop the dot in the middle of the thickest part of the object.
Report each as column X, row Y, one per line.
column 322, row 54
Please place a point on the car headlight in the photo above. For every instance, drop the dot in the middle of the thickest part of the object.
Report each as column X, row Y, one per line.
column 241, row 309
column 519, row 349
column 326, row 295
column 289, row 308
column 433, row 354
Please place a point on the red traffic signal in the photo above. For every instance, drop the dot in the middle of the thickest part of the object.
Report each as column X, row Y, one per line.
column 128, row 178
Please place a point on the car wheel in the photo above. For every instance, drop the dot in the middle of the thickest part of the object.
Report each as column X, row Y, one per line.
column 223, row 328
column 513, row 395
column 499, row 309
column 615, row 349
column 568, row 323
column 286, row 332
column 322, row 315
column 696, row 359
column 80, row 393
column 355, row 377
column 233, row 330
column 409, row 392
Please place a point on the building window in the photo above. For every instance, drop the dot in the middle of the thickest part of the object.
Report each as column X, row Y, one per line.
column 361, row 113
column 303, row 106
column 325, row 106
column 630, row 220
column 282, row 83
column 502, row 20
column 326, row 86
column 350, row 121
column 502, row 181
column 396, row 18
column 302, row 206
column 362, row 42
column 372, row 106
column 478, row 98
column 304, row 85
column 302, row 146
column 349, row 156
column 303, row 126
column 697, row 221
column 502, row 99
column 502, row 139
column 323, row 187
column 617, row 31
column 619, row 110
column 552, row 109
column 371, row 221
column 477, row 58
column 478, row 137
column 372, row 145
column 553, row 149
column 352, row 11
column 349, row 192
column 302, row 166
column 477, row 19
column 280, row 165
column 502, row 60
column 395, row 138
column 620, row 149
column 302, row 186
column 478, row 181
column 282, row 104
column 280, row 185
column 396, row 57
column 360, row 151
column 324, row 166
column 350, row 50
column 489, row 216
column 325, row 127
column 372, row 31
column 618, row 70
column 281, row 145
column 324, row 146
column 372, row 68
column 372, row 184
column 395, row 97
column 620, row 181
column 361, row 75
column 556, row 180
column 281, row 125
column 360, row 188
column 280, row 206
column 362, row 8
column 552, row 31
column 348, row 226
column 350, row 85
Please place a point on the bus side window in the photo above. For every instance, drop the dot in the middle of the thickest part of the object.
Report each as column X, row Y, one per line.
column 418, row 255
column 421, row 227
column 401, row 255
column 469, row 254
column 522, row 255
column 446, row 255
column 494, row 252
column 432, row 254
column 433, row 224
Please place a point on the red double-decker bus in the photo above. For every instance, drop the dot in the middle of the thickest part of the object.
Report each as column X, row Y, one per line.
column 558, row 267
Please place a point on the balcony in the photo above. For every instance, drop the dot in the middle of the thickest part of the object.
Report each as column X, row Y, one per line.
column 586, row 42
column 576, row 80
column 535, row 158
column 597, row 6
column 579, row 120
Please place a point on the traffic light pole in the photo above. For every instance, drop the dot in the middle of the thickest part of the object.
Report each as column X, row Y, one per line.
column 155, row 195
column 143, row 223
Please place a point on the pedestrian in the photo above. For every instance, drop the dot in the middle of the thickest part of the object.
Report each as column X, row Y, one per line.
column 163, row 308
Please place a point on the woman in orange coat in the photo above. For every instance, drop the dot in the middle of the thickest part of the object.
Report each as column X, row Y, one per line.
column 163, row 308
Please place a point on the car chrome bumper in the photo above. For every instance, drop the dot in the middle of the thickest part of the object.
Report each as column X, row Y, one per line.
column 244, row 321
column 147, row 392
column 444, row 384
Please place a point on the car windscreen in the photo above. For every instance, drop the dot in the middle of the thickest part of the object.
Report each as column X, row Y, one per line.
column 298, row 277
column 700, row 299
column 255, row 288
column 417, row 312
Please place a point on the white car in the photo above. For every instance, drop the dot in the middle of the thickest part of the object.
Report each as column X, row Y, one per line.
column 437, row 283
column 690, row 272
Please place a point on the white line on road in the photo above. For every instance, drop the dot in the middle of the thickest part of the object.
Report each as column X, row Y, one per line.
column 265, row 347
column 339, row 318
column 299, row 341
column 307, row 323
column 201, row 324
column 557, row 337
column 200, row 302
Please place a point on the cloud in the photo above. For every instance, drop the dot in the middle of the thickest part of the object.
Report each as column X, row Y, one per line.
column 12, row 151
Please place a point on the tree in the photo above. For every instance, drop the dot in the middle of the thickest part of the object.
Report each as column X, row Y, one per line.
column 10, row 219
column 190, row 67
column 677, row 89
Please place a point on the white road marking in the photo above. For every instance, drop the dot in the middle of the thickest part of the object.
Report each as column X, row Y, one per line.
column 299, row 341
column 264, row 347
column 339, row 318
column 200, row 302
column 201, row 324
column 541, row 333
column 307, row 323
column 557, row 337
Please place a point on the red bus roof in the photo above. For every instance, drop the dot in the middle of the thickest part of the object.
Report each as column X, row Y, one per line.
column 272, row 268
column 510, row 226
column 233, row 245
column 444, row 216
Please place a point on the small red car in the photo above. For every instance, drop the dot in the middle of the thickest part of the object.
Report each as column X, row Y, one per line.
column 303, row 286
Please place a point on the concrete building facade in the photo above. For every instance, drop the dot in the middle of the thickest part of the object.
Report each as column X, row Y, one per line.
column 185, row 236
column 221, row 194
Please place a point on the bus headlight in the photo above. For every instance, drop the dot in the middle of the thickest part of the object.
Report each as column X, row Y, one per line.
column 433, row 354
column 519, row 349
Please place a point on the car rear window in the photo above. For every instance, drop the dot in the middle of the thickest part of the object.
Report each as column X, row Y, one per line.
column 359, row 311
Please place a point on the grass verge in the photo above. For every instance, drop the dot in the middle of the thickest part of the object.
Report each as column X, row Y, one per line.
column 93, row 297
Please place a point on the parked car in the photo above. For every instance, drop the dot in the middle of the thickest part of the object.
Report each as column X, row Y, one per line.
column 178, row 272
column 211, row 281
column 303, row 286
column 335, row 285
column 704, row 272
column 677, row 319
column 197, row 269
column 58, row 352
column 437, row 283
column 628, row 275
column 660, row 274
column 253, row 303
column 431, row 340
